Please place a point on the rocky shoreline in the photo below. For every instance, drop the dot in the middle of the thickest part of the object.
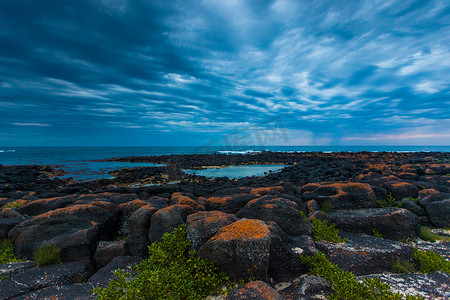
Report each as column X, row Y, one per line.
column 254, row 227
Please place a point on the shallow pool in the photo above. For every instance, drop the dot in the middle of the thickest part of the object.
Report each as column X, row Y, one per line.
column 236, row 171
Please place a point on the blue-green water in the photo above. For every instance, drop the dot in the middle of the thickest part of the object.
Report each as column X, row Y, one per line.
column 75, row 160
column 236, row 171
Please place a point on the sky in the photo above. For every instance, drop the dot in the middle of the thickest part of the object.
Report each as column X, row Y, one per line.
column 190, row 73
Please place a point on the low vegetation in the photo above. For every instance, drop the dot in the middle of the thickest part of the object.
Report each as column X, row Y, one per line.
column 389, row 202
column 170, row 272
column 427, row 235
column 7, row 252
column 326, row 206
column 344, row 283
column 376, row 233
column 321, row 231
column 412, row 199
column 403, row 266
column 47, row 255
column 13, row 204
column 430, row 261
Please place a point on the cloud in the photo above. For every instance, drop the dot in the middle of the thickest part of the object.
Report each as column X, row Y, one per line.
column 332, row 71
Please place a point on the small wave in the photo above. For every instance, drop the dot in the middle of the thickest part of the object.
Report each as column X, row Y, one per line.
column 239, row 152
column 1, row 150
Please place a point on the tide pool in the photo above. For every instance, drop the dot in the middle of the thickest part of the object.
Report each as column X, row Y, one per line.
column 236, row 171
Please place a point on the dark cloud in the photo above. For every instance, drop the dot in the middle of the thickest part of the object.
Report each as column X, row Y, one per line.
column 187, row 72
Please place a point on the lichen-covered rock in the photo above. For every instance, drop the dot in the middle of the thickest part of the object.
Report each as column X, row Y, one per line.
column 350, row 195
column 203, row 225
column 77, row 291
column 364, row 254
column 255, row 290
column 167, row 219
column 180, row 199
column 282, row 211
column 41, row 206
column 400, row 190
column 392, row 222
column 9, row 218
column 439, row 213
column 75, row 229
column 430, row 286
column 125, row 212
column 114, row 198
column 240, row 249
column 6, row 270
column 307, row 287
column 272, row 190
column 229, row 204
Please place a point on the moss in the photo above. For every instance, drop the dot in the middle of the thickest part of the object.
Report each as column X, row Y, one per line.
column 430, row 261
column 322, row 232
column 403, row 266
column 47, row 255
column 376, row 233
column 170, row 272
column 344, row 283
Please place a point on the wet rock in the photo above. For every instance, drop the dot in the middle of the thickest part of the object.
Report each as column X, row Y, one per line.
column 139, row 224
column 392, row 222
column 282, row 211
column 229, row 204
column 400, row 190
column 254, row 290
column 203, row 225
column 307, row 287
column 430, row 286
column 439, row 213
column 103, row 276
column 349, row 195
column 364, row 254
column 240, row 249
column 75, row 229
column 35, row 279
column 107, row 251
column 167, row 219
column 41, row 206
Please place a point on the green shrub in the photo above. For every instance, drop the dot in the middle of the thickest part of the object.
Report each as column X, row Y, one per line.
column 47, row 255
column 389, row 202
column 322, row 232
column 376, row 233
column 326, row 206
column 7, row 252
column 403, row 266
column 430, row 261
column 14, row 204
column 344, row 283
column 170, row 272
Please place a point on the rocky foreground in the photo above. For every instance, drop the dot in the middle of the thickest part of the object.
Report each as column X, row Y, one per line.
column 251, row 227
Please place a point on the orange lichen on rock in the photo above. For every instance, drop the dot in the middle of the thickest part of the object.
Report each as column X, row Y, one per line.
column 267, row 190
column 243, row 229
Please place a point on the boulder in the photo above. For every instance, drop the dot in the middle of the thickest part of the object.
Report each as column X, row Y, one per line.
column 41, row 206
column 114, row 198
column 431, row 195
column 392, row 222
column 400, row 190
column 75, row 229
column 35, row 279
column 271, row 190
column 254, row 290
column 240, row 249
column 282, row 211
column 125, row 211
column 364, row 254
column 229, row 204
column 180, row 199
column 429, row 286
column 103, row 276
column 312, row 206
column 6, row 270
column 9, row 218
column 167, row 219
column 439, row 213
column 307, row 287
column 203, row 225
column 107, row 251
column 413, row 207
column 138, row 225
column 158, row 202
column 350, row 195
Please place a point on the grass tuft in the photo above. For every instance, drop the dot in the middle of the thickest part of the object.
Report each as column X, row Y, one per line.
column 47, row 255
column 7, row 252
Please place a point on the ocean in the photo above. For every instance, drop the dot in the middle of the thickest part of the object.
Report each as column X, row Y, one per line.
column 77, row 161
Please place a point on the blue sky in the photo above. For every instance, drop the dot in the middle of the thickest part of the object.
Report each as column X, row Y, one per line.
column 197, row 72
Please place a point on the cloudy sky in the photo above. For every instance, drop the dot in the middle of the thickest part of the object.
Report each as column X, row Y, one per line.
column 116, row 72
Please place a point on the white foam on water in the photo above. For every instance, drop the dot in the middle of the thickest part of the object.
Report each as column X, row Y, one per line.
column 239, row 152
